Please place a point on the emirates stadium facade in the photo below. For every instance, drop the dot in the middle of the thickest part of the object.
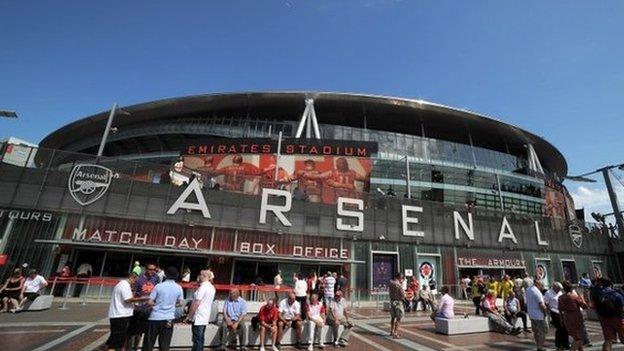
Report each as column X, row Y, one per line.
column 252, row 183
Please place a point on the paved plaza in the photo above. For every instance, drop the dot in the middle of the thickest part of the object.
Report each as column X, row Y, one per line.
column 84, row 328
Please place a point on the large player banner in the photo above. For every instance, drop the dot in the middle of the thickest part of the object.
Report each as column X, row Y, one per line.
column 316, row 171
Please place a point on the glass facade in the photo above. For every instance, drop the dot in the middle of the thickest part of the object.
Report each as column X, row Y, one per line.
column 440, row 170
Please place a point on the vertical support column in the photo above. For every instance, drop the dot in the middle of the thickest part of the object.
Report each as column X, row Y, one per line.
column 407, row 177
column 617, row 212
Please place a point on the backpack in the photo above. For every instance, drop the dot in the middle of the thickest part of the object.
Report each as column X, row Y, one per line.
column 606, row 305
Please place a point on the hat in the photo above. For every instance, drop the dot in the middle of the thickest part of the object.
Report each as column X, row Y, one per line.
column 171, row 273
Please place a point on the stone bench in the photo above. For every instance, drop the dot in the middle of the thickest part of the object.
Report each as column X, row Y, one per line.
column 42, row 302
column 470, row 325
column 460, row 325
column 182, row 335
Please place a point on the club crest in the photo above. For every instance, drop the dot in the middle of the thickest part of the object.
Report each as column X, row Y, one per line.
column 576, row 234
column 87, row 183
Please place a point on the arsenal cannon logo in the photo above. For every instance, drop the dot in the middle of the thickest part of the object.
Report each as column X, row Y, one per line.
column 88, row 182
column 576, row 234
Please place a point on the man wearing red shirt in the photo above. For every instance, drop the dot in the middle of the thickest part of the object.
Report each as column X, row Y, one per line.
column 267, row 320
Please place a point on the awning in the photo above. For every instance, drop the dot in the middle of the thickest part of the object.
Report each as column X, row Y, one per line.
column 183, row 252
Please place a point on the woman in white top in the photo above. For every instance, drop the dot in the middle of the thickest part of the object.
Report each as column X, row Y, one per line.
column 201, row 308
column 316, row 318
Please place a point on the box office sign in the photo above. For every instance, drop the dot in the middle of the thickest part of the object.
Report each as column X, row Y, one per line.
column 178, row 237
column 490, row 260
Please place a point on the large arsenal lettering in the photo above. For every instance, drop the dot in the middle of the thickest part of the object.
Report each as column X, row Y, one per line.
column 279, row 203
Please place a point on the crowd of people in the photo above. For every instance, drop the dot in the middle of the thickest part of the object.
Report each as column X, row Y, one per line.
column 147, row 303
column 522, row 298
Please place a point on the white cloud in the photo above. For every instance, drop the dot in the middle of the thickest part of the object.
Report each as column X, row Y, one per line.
column 594, row 199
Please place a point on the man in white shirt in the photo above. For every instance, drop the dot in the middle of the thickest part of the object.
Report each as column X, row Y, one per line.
column 301, row 292
column 32, row 286
column 201, row 308
column 328, row 288
column 85, row 270
column 316, row 318
column 551, row 299
column 536, row 309
column 337, row 315
column 290, row 316
column 120, row 312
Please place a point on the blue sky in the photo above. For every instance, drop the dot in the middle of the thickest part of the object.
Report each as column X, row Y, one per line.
column 552, row 67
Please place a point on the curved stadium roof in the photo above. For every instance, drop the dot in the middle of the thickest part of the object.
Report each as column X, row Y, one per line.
column 356, row 110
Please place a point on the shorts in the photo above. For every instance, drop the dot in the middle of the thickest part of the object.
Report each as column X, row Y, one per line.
column 612, row 328
column 31, row 296
column 118, row 332
column 540, row 328
column 290, row 323
column 138, row 322
column 397, row 309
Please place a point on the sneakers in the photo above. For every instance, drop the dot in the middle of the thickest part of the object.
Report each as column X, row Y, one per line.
column 274, row 348
column 343, row 343
column 310, row 348
column 262, row 348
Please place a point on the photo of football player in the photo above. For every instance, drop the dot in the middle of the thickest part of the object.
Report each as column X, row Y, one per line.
column 310, row 181
column 267, row 176
column 341, row 180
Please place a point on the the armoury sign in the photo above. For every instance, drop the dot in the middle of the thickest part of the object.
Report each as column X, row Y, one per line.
column 217, row 146
column 87, row 182
column 279, row 203
column 507, row 260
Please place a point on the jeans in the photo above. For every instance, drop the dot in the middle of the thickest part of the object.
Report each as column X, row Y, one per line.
column 198, row 337
column 161, row 330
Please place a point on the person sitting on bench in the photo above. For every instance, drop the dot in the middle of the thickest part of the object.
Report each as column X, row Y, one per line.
column 290, row 316
column 33, row 285
column 488, row 306
column 267, row 320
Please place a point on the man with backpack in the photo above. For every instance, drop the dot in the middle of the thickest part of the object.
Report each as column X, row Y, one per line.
column 609, row 304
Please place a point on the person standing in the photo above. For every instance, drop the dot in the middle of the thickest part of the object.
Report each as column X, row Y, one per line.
column 301, row 292
column 397, row 296
column 316, row 318
column 328, row 288
column 163, row 299
column 609, row 304
column 536, row 309
column 341, row 284
column 234, row 313
column 277, row 283
column 506, row 287
column 143, row 286
column 551, row 299
column 337, row 315
column 570, row 305
column 120, row 312
column 201, row 308
column 478, row 291
column 84, row 272
column 186, row 279
column 137, row 268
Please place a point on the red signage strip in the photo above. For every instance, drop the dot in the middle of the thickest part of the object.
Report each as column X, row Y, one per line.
column 142, row 234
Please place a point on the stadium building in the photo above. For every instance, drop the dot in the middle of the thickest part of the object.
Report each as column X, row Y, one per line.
column 253, row 183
